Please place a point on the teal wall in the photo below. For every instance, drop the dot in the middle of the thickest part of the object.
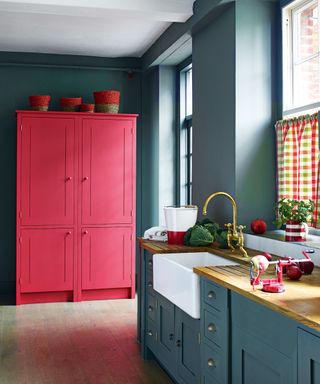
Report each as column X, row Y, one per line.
column 22, row 75
column 236, row 84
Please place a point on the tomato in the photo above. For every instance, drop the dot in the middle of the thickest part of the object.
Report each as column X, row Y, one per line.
column 258, row 226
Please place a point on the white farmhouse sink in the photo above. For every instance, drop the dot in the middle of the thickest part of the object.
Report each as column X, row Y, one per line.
column 174, row 278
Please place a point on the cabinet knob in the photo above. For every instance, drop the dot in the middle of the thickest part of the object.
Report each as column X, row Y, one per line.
column 212, row 327
column 85, row 178
column 211, row 363
column 150, row 284
column 171, row 336
column 150, row 262
column 150, row 308
column 69, row 233
column 150, row 333
column 69, row 178
column 178, row 343
column 211, row 295
column 85, row 232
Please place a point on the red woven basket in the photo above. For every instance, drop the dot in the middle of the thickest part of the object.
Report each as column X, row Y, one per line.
column 70, row 101
column 87, row 107
column 107, row 97
column 39, row 102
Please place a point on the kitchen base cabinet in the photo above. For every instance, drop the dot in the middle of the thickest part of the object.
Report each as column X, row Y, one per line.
column 256, row 362
column 308, row 358
column 188, row 339
column 166, row 333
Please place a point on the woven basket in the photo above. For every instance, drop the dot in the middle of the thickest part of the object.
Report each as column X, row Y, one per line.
column 40, row 107
column 39, row 102
column 87, row 107
column 106, row 97
column 70, row 104
column 107, row 108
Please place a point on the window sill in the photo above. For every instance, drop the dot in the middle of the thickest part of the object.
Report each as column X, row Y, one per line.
column 273, row 242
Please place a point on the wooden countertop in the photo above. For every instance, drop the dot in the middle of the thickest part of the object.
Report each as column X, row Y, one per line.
column 300, row 301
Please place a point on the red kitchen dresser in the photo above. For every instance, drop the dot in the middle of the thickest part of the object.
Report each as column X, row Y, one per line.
column 76, row 193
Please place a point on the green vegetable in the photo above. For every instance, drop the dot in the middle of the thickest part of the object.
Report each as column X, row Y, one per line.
column 200, row 236
column 212, row 228
column 187, row 235
column 221, row 238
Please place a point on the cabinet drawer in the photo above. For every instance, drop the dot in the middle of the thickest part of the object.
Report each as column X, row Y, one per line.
column 214, row 364
column 215, row 295
column 151, row 335
column 149, row 283
column 214, row 327
column 149, row 261
column 151, row 307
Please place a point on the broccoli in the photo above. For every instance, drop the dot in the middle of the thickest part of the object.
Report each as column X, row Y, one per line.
column 187, row 235
column 200, row 236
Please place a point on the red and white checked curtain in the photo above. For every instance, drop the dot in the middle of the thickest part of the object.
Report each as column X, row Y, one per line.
column 298, row 173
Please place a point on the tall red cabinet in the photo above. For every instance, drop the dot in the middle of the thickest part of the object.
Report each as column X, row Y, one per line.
column 75, row 206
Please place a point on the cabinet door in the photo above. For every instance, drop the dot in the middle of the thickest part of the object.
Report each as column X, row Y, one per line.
column 256, row 362
column 188, row 342
column 308, row 358
column 166, row 346
column 106, row 258
column 47, row 171
column 46, row 260
column 107, row 171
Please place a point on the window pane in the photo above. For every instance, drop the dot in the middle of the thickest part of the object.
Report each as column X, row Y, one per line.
column 189, row 92
column 306, row 82
column 306, row 37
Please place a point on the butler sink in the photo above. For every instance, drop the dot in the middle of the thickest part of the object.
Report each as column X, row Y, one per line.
column 173, row 277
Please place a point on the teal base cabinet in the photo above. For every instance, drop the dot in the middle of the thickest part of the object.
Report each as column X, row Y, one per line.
column 308, row 358
column 166, row 333
column 236, row 341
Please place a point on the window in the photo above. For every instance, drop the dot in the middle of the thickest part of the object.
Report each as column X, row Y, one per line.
column 301, row 57
column 185, row 137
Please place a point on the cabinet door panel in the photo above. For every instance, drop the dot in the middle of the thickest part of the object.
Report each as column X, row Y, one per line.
column 308, row 358
column 46, row 260
column 188, row 333
column 107, row 171
column 47, row 171
column 106, row 258
column 256, row 362
column 165, row 329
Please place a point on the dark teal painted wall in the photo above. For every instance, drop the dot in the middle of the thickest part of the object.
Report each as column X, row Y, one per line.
column 213, row 64
column 236, row 80
column 40, row 76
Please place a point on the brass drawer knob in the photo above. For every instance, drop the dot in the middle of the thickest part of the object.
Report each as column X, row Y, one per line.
column 211, row 363
column 212, row 327
column 211, row 295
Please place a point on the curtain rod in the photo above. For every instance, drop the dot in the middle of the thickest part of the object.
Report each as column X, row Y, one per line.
column 65, row 66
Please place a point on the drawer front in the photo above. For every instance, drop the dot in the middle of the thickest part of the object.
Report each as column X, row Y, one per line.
column 151, row 335
column 149, row 261
column 151, row 307
column 215, row 296
column 214, row 364
column 215, row 327
column 149, row 282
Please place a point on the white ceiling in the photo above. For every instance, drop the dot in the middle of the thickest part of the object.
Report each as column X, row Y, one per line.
column 106, row 28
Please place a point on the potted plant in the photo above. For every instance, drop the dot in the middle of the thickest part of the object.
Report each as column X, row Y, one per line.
column 294, row 214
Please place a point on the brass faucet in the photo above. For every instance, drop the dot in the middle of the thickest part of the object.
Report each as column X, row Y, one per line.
column 235, row 232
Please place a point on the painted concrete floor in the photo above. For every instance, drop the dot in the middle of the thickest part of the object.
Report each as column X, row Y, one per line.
column 73, row 343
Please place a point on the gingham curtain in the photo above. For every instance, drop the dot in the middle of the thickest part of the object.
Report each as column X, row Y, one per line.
column 298, row 173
